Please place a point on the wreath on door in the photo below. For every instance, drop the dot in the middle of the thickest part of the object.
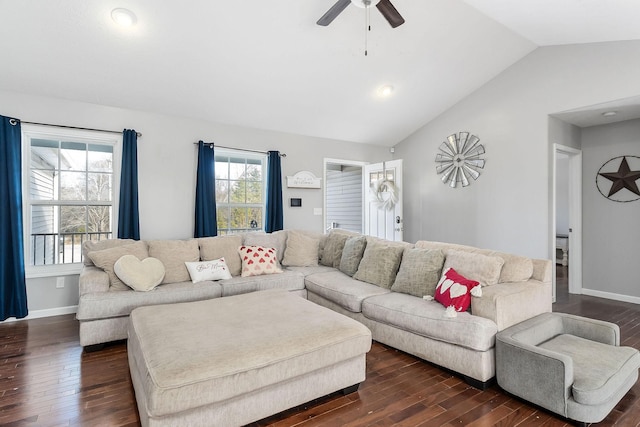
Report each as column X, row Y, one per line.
column 386, row 193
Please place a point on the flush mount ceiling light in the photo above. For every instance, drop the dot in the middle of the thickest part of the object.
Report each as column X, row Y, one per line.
column 385, row 91
column 609, row 113
column 123, row 17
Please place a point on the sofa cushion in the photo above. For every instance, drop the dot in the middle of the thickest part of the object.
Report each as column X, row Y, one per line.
column 483, row 268
column 258, row 260
column 276, row 240
column 342, row 289
column 599, row 370
column 222, row 247
column 352, row 254
column 301, row 251
column 215, row 269
column 515, row 269
column 419, row 272
column 174, row 254
column 426, row 318
column 287, row 280
column 140, row 275
column 333, row 247
column 454, row 290
column 379, row 264
column 98, row 245
column 106, row 259
column 106, row 305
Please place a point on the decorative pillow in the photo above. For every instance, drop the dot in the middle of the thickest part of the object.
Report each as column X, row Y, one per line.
column 352, row 254
column 98, row 245
column 516, row 268
column 208, row 270
column 212, row 248
column 379, row 264
column 333, row 248
column 174, row 254
column 454, row 292
column 142, row 276
column 302, row 251
column 276, row 240
column 419, row 272
column 106, row 258
column 257, row 260
column 485, row 269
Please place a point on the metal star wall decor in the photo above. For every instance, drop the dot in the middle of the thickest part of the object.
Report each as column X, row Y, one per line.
column 622, row 179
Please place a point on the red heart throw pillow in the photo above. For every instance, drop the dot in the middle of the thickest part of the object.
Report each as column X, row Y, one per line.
column 454, row 290
column 261, row 261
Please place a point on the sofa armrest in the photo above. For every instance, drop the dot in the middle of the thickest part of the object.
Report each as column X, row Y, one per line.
column 93, row 279
column 510, row 303
column 591, row 329
column 535, row 374
column 542, row 270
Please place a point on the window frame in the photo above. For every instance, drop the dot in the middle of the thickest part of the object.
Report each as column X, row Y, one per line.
column 32, row 131
column 226, row 152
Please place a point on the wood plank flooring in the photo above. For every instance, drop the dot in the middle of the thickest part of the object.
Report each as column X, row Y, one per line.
column 47, row 380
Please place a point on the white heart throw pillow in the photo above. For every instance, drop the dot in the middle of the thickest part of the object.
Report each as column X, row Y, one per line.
column 139, row 275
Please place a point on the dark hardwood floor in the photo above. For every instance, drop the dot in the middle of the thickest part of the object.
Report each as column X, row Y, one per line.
column 47, row 380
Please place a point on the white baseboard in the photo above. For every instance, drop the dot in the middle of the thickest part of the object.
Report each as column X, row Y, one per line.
column 610, row 295
column 37, row 314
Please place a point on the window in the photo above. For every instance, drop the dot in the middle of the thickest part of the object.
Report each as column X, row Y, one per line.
column 68, row 195
column 240, row 191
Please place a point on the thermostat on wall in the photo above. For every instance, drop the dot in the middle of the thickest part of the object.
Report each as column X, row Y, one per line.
column 296, row 203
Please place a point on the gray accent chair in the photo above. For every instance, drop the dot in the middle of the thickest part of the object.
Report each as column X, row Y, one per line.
column 570, row 365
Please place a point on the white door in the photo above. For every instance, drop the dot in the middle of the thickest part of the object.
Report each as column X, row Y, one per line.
column 383, row 200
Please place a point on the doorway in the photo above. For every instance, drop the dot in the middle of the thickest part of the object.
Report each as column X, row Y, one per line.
column 343, row 195
column 567, row 219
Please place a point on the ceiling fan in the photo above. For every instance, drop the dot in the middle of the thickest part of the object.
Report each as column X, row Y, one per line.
column 384, row 6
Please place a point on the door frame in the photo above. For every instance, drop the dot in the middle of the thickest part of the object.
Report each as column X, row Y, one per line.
column 324, row 187
column 575, row 217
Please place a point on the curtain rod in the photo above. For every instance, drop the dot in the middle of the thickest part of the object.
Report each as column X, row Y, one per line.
column 239, row 149
column 73, row 127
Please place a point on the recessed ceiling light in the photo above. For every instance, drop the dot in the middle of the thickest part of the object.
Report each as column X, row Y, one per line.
column 123, row 17
column 609, row 113
column 385, row 91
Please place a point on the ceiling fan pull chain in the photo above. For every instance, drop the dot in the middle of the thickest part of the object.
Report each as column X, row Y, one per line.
column 367, row 27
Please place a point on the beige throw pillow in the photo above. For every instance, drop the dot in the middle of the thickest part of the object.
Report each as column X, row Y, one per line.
column 174, row 254
column 482, row 268
column 301, row 251
column 98, row 245
column 276, row 240
column 212, row 248
column 106, row 259
column 419, row 273
column 379, row 264
column 142, row 276
column 352, row 254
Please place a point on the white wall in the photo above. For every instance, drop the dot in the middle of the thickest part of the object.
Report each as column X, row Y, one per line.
column 508, row 208
column 611, row 230
column 167, row 162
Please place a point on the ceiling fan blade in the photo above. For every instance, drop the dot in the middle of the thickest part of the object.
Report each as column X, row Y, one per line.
column 332, row 13
column 390, row 13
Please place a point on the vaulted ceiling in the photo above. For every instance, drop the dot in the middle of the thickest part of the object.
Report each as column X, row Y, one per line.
column 267, row 65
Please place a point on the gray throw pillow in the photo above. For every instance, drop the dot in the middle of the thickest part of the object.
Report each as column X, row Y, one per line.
column 333, row 249
column 379, row 264
column 419, row 272
column 352, row 254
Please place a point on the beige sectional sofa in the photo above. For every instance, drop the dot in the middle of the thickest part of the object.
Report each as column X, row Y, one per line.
column 369, row 279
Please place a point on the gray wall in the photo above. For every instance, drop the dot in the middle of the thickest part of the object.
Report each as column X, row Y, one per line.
column 611, row 230
column 167, row 162
column 509, row 207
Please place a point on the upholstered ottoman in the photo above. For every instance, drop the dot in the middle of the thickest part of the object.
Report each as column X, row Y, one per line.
column 231, row 361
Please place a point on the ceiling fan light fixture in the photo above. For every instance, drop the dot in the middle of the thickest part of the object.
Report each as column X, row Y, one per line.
column 123, row 17
column 609, row 113
column 363, row 4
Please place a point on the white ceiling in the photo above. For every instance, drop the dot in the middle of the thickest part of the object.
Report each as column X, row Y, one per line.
column 267, row 65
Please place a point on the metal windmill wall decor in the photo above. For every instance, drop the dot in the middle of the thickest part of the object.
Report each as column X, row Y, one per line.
column 460, row 159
